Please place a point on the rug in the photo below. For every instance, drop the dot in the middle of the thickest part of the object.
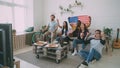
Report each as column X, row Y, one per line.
column 44, row 62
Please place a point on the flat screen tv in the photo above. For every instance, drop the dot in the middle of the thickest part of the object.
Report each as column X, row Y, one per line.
column 6, row 48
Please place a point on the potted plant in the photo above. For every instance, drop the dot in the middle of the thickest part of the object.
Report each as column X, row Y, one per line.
column 107, row 32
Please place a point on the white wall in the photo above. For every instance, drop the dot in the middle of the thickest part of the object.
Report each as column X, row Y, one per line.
column 29, row 13
column 103, row 12
column 38, row 14
column 52, row 7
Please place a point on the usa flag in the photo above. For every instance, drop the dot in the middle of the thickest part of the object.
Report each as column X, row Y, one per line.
column 83, row 18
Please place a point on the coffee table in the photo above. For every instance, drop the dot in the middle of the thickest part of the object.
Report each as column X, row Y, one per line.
column 53, row 51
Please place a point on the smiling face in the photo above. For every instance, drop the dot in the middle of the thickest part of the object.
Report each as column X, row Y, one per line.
column 52, row 17
column 97, row 34
column 65, row 25
column 82, row 26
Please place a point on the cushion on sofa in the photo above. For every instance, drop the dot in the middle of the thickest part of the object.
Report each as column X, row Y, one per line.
column 30, row 29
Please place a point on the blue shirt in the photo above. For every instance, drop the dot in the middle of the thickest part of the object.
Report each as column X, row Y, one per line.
column 52, row 26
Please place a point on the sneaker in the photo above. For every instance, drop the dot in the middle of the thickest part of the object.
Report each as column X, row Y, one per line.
column 71, row 39
column 85, row 63
column 74, row 53
column 93, row 61
column 82, row 66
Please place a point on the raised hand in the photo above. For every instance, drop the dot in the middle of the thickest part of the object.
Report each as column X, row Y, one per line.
column 59, row 23
column 58, row 20
column 88, row 34
column 103, row 35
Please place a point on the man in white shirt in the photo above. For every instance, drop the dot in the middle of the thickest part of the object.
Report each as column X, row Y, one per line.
column 95, row 53
column 52, row 28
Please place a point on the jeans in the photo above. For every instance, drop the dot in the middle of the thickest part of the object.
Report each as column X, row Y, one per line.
column 88, row 56
column 52, row 36
column 62, row 38
column 58, row 39
column 76, row 42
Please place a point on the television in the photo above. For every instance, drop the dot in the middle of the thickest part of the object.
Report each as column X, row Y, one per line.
column 6, row 48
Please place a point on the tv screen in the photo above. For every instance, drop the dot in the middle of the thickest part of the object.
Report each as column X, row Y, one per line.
column 6, row 48
column 2, row 47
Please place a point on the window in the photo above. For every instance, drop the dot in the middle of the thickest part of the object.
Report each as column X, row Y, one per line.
column 20, row 2
column 19, row 19
column 17, row 13
column 7, row 0
column 5, row 14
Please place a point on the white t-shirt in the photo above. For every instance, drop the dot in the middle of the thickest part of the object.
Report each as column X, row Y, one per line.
column 52, row 26
column 64, row 33
column 97, row 45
